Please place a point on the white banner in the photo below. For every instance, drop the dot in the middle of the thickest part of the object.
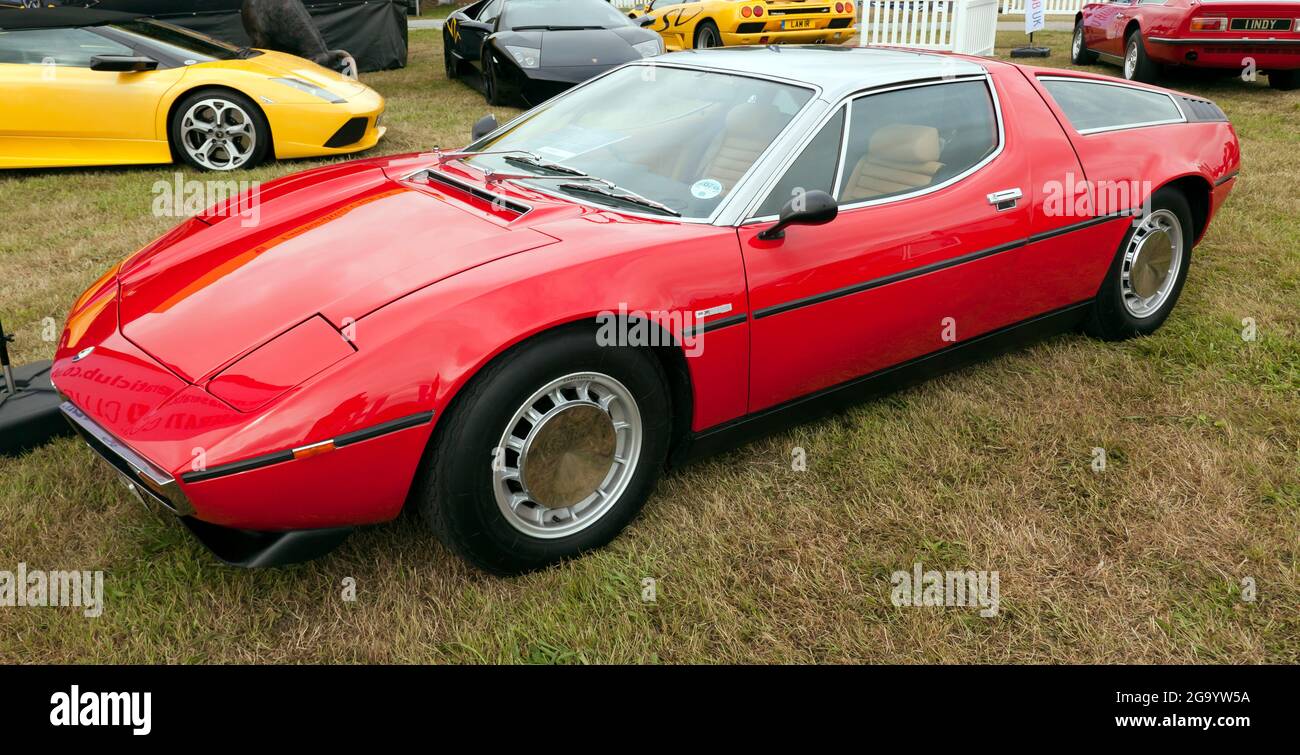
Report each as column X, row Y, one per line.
column 1033, row 16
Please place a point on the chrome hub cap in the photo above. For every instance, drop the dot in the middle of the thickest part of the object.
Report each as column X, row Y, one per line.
column 1077, row 43
column 1151, row 264
column 567, row 455
column 1131, row 58
column 218, row 134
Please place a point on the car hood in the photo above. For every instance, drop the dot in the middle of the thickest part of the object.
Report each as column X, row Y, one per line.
column 281, row 65
column 340, row 241
column 582, row 47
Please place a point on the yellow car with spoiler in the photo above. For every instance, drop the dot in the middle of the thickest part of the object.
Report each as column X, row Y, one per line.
column 88, row 87
column 693, row 24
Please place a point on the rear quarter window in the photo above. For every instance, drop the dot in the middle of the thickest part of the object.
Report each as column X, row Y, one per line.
column 1099, row 106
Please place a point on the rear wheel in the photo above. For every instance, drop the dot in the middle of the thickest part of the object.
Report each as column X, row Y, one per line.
column 1147, row 275
column 1080, row 55
column 1286, row 81
column 707, row 35
column 549, row 452
column 1137, row 66
column 219, row 130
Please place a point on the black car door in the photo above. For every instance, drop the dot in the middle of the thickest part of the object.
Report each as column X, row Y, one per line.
column 471, row 32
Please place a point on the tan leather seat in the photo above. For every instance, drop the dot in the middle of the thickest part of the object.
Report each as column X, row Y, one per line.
column 900, row 157
column 749, row 130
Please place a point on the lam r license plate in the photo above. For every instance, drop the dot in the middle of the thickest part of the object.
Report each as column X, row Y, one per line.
column 798, row 23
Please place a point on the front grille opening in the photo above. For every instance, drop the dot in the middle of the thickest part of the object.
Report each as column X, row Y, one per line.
column 352, row 132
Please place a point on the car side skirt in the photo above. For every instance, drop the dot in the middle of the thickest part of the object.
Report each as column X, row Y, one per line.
column 797, row 411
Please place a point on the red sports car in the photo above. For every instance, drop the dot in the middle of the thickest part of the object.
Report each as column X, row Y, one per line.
column 1237, row 35
column 516, row 338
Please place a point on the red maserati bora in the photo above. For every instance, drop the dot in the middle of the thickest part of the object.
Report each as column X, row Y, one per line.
column 1238, row 35
column 516, row 338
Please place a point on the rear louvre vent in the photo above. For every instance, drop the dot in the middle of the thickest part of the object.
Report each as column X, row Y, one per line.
column 510, row 205
column 1201, row 111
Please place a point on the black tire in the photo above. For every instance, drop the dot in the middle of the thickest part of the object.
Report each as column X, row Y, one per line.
column 491, row 84
column 261, row 129
column 1144, row 70
column 1109, row 319
column 1285, row 81
column 456, row 490
column 707, row 35
column 1080, row 55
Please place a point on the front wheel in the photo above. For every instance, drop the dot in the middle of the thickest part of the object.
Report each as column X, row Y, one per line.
column 548, row 453
column 219, row 130
column 1285, row 81
column 1147, row 275
column 1137, row 66
column 1080, row 55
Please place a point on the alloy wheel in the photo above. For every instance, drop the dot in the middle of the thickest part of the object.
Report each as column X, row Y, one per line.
column 567, row 455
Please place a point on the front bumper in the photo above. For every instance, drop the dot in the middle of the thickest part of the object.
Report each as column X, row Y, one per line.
column 307, row 130
column 235, row 547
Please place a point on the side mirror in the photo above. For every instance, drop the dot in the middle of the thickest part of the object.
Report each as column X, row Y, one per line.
column 810, row 208
column 486, row 125
column 123, row 63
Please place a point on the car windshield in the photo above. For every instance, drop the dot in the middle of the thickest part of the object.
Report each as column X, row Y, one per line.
column 561, row 14
column 678, row 137
column 180, row 43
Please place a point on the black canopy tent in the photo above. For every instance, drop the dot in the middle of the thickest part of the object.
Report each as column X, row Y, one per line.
column 374, row 31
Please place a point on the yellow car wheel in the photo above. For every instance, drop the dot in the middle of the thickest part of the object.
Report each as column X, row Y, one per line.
column 707, row 35
column 219, row 130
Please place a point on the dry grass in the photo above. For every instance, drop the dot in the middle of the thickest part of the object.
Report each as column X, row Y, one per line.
column 754, row 562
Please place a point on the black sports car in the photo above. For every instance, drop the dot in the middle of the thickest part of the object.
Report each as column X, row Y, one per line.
column 535, row 49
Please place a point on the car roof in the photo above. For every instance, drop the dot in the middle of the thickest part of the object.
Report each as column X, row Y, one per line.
column 836, row 69
column 59, row 18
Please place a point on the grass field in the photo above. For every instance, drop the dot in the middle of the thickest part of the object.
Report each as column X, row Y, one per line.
column 986, row 469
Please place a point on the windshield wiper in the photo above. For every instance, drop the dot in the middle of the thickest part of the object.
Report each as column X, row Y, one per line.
column 611, row 190
column 530, row 160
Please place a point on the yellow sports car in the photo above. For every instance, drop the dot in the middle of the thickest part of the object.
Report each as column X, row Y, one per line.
column 87, row 87
column 685, row 25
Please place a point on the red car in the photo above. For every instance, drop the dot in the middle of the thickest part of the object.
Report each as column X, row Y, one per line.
column 516, row 338
column 1231, row 35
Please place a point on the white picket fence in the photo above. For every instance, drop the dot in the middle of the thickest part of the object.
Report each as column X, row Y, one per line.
column 1050, row 7
column 964, row 26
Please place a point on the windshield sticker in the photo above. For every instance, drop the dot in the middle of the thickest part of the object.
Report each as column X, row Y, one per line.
column 706, row 188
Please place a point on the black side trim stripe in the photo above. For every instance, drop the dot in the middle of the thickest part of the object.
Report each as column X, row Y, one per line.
column 278, row 457
column 415, row 420
column 235, row 467
column 1226, row 178
column 777, row 309
column 725, row 322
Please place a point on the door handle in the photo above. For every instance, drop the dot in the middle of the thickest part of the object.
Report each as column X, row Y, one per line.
column 1005, row 199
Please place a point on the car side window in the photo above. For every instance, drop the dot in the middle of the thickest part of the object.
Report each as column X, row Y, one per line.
column 1094, row 106
column 814, row 169
column 57, row 47
column 492, row 12
column 907, row 140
